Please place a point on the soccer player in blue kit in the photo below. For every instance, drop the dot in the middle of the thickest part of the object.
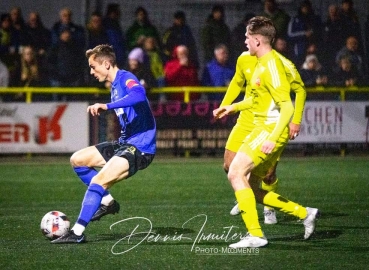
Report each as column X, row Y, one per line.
column 120, row 159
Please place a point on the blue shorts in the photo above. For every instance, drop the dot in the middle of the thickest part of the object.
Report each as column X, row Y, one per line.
column 136, row 159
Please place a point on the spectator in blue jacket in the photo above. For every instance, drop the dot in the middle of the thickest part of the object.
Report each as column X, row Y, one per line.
column 218, row 72
column 303, row 29
column 66, row 23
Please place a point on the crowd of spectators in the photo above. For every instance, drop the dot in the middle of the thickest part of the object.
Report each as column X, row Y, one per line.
column 327, row 52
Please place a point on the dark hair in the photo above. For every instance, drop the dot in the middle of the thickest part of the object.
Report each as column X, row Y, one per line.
column 102, row 52
column 112, row 8
column 348, row 1
column 141, row 9
column 262, row 26
column 219, row 8
column 5, row 16
column 180, row 15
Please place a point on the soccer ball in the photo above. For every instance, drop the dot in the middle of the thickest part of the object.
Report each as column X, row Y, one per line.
column 54, row 224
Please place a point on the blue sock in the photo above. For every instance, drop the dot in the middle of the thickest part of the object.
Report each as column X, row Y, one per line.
column 90, row 204
column 86, row 174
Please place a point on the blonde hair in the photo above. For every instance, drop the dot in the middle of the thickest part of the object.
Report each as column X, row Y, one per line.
column 101, row 53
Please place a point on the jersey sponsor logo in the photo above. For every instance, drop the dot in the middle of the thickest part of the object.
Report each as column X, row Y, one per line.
column 258, row 81
column 130, row 83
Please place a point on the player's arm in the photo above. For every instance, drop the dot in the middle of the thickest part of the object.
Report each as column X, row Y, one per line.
column 297, row 85
column 136, row 94
column 279, row 88
column 300, row 97
column 233, row 108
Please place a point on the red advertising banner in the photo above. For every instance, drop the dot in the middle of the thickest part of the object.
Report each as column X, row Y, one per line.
column 43, row 127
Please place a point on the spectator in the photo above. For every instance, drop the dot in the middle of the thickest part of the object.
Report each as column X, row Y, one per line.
column 179, row 71
column 278, row 16
column 66, row 23
column 4, row 79
column 96, row 34
column 303, row 29
column 312, row 72
column 17, row 18
column 137, row 66
column 345, row 74
column 30, row 71
column 238, row 37
column 218, row 72
column 115, row 33
column 351, row 24
column 180, row 34
column 140, row 29
column 281, row 46
column 18, row 26
column 38, row 36
column 65, row 63
column 8, row 52
column 4, row 75
column 333, row 39
column 155, row 60
column 350, row 50
column 215, row 32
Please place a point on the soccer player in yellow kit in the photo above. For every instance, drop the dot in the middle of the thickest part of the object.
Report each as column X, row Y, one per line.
column 272, row 109
column 244, row 69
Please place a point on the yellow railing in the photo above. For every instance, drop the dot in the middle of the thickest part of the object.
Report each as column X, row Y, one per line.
column 342, row 91
column 51, row 90
column 201, row 89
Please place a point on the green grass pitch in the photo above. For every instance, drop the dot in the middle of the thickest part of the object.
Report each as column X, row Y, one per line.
column 175, row 215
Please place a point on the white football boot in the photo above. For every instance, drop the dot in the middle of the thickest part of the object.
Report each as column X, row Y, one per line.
column 309, row 221
column 270, row 216
column 250, row 241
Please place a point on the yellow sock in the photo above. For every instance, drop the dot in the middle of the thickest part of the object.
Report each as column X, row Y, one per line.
column 272, row 187
column 247, row 204
column 282, row 204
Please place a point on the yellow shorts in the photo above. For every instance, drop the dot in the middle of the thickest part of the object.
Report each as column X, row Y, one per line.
column 252, row 145
column 237, row 136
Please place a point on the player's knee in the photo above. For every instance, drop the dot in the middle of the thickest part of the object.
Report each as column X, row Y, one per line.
column 76, row 160
column 232, row 176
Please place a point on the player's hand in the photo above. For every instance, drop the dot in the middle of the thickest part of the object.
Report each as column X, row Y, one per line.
column 96, row 108
column 294, row 131
column 267, row 147
column 223, row 111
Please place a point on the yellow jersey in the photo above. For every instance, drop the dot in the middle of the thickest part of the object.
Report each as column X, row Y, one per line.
column 244, row 69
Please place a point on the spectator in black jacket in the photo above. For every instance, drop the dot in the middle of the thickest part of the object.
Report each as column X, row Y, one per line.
column 65, row 62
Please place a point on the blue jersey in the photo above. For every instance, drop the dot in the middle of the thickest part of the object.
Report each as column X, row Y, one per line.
column 128, row 99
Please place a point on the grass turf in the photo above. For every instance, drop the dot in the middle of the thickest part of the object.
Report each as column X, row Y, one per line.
column 185, row 204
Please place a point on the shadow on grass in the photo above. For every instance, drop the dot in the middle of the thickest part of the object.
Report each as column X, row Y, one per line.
column 318, row 235
column 323, row 215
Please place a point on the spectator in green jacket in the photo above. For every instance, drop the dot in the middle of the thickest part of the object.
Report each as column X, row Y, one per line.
column 140, row 29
